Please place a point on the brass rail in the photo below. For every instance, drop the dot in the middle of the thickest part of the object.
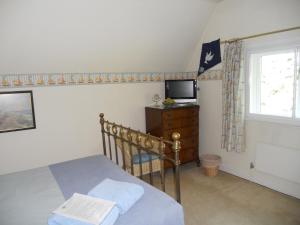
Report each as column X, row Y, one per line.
column 260, row 35
column 132, row 144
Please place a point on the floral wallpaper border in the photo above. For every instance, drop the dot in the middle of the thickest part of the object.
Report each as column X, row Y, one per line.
column 211, row 75
column 62, row 79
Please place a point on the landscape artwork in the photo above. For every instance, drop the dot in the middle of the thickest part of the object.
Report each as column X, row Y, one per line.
column 16, row 111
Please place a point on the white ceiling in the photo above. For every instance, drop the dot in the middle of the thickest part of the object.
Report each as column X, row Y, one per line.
column 100, row 35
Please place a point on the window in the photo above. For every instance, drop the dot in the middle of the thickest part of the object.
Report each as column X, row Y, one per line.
column 274, row 83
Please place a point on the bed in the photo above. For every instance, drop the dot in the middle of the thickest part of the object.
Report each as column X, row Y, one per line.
column 29, row 197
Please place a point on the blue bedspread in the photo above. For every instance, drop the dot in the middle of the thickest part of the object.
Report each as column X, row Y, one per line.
column 81, row 175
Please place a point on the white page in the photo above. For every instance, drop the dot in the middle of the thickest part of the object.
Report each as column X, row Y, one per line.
column 85, row 208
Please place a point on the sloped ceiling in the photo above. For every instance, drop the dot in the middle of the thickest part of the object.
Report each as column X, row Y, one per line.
column 100, row 35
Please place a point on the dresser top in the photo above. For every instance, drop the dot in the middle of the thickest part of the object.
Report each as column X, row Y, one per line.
column 175, row 106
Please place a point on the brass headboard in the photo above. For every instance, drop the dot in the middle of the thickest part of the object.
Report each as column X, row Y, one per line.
column 141, row 154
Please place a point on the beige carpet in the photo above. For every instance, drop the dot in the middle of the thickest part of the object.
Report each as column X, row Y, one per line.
column 230, row 200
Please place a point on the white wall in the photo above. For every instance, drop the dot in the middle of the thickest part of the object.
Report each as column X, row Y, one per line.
column 67, row 120
column 235, row 18
column 44, row 36
column 100, row 35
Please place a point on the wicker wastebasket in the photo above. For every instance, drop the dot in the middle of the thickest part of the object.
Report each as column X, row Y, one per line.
column 210, row 164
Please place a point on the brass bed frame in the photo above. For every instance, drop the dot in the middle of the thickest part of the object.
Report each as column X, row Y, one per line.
column 141, row 154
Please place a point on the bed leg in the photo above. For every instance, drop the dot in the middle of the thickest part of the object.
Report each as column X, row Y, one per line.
column 103, row 132
column 176, row 148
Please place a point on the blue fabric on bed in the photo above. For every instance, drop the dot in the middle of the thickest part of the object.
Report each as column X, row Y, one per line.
column 81, row 175
column 56, row 219
column 145, row 157
column 124, row 194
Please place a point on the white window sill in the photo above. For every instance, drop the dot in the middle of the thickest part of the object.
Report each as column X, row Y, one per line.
column 273, row 119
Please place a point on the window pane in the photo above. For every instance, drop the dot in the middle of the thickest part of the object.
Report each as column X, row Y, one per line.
column 276, row 84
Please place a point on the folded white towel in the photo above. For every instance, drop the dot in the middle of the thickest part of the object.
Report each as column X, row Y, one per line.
column 124, row 194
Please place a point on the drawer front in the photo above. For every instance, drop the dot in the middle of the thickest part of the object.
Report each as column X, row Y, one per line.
column 186, row 143
column 178, row 123
column 185, row 132
column 191, row 142
column 188, row 155
column 180, row 113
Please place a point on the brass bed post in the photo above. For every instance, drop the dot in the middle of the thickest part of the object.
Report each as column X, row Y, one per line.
column 109, row 142
column 103, row 132
column 151, row 168
column 129, row 142
column 162, row 164
column 176, row 149
column 115, row 133
column 138, row 141
column 149, row 145
column 121, row 133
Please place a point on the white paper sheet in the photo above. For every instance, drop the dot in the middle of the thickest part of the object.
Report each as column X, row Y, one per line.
column 85, row 208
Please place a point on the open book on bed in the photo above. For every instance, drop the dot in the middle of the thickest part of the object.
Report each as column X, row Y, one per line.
column 85, row 208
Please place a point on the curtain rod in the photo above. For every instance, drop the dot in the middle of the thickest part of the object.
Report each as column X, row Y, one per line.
column 259, row 35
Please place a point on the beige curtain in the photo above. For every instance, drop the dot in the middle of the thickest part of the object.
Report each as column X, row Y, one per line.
column 233, row 123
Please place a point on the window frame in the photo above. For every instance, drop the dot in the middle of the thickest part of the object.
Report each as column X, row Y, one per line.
column 264, row 48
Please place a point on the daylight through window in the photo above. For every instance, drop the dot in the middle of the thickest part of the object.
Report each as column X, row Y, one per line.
column 274, row 86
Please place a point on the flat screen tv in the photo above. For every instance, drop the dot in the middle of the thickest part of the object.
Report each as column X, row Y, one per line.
column 182, row 91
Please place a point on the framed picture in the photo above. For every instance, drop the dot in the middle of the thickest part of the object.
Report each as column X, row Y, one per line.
column 16, row 111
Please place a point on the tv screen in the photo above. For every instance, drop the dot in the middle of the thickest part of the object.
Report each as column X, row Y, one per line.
column 180, row 89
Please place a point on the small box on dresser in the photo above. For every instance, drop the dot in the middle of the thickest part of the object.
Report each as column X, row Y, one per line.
column 163, row 121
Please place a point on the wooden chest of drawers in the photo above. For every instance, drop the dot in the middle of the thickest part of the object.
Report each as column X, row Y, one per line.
column 162, row 122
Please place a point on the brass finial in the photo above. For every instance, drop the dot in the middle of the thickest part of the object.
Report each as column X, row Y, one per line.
column 175, row 136
column 176, row 146
column 102, row 118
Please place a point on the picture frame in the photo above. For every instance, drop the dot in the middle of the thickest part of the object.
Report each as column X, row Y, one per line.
column 16, row 111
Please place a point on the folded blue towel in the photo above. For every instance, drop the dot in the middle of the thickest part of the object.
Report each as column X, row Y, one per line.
column 124, row 194
column 57, row 219
column 145, row 157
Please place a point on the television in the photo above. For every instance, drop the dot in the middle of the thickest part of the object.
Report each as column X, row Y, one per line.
column 182, row 91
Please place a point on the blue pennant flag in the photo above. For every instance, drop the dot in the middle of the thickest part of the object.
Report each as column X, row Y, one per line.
column 210, row 56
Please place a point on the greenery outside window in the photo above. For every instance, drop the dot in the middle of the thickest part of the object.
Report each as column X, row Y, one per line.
column 274, row 83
